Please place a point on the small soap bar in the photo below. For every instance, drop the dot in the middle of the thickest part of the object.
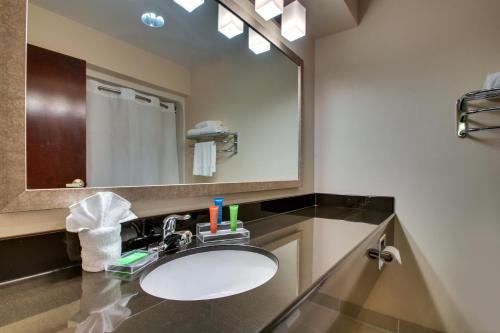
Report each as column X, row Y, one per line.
column 132, row 257
column 132, row 262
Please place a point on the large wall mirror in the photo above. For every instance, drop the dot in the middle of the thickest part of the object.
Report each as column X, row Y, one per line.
column 118, row 99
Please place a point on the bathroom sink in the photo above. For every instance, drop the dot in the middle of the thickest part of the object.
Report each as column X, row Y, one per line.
column 211, row 272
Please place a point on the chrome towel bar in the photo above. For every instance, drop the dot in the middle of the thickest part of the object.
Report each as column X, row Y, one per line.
column 228, row 138
column 463, row 113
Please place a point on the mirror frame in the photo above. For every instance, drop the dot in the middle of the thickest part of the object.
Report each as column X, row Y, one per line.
column 15, row 197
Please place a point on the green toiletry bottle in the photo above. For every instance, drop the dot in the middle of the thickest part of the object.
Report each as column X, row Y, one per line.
column 233, row 214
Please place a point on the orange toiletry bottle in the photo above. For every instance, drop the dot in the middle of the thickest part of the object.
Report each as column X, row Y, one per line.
column 214, row 216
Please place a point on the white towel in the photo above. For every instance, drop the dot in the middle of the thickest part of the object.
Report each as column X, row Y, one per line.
column 207, row 130
column 97, row 220
column 204, row 159
column 492, row 81
column 209, row 123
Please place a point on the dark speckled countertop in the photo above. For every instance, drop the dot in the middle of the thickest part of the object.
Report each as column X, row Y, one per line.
column 307, row 242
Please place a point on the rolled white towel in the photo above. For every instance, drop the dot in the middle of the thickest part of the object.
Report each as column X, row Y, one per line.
column 100, row 247
column 492, row 81
column 97, row 220
column 208, row 123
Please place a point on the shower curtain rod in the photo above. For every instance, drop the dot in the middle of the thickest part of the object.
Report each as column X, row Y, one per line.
column 139, row 97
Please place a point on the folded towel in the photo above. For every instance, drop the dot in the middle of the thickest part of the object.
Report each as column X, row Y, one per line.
column 492, row 81
column 207, row 130
column 97, row 220
column 204, row 159
column 208, row 123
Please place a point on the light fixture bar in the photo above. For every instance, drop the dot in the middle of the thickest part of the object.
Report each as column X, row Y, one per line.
column 229, row 24
column 269, row 8
column 293, row 21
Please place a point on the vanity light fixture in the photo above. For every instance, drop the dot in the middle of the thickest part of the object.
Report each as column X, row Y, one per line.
column 293, row 21
column 257, row 43
column 152, row 20
column 269, row 8
column 229, row 24
column 189, row 5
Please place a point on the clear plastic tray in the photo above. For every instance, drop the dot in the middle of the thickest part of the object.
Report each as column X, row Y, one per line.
column 225, row 225
column 223, row 234
column 122, row 266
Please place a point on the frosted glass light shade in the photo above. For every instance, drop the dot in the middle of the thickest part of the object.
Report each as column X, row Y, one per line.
column 257, row 43
column 189, row 5
column 293, row 21
column 269, row 8
column 229, row 24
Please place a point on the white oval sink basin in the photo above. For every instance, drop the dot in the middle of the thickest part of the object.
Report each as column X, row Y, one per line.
column 216, row 272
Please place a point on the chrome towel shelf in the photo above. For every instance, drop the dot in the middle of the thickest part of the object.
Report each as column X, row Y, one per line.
column 463, row 111
column 230, row 139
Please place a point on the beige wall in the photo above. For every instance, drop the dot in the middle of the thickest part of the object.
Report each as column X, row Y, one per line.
column 38, row 221
column 257, row 96
column 385, row 125
column 333, row 239
column 49, row 30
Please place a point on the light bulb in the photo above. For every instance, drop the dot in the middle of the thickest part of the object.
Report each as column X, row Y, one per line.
column 257, row 43
column 189, row 5
column 269, row 8
column 229, row 24
column 293, row 21
column 152, row 20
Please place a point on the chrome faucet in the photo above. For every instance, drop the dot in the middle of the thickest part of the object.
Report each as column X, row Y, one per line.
column 169, row 224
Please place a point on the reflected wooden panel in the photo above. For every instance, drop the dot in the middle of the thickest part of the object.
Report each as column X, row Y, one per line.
column 55, row 119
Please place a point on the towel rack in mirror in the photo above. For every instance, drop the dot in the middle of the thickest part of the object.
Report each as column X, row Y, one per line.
column 463, row 112
column 230, row 139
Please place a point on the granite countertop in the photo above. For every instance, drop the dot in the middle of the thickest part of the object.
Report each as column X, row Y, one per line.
column 307, row 242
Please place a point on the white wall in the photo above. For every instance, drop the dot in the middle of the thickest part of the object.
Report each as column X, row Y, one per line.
column 256, row 96
column 385, row 125
column 333, row 239
column 54, row 32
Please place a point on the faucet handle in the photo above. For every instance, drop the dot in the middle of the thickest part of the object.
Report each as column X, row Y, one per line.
column 169, row 224
column 170, row 221
column 180, row 217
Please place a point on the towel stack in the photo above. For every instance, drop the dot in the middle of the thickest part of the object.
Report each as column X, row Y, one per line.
column 208, row 127
column 205, row 153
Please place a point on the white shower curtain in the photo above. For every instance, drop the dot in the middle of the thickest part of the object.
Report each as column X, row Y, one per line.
column 129, row 142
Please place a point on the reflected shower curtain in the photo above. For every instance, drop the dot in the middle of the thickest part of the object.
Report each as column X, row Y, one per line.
column 129, row 142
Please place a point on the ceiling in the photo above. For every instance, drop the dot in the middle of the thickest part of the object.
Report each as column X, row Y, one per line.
column 326, row 17
column 187, row 38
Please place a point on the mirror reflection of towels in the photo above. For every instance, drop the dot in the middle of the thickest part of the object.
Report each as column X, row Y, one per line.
column 204, row 159
column 102, row 306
